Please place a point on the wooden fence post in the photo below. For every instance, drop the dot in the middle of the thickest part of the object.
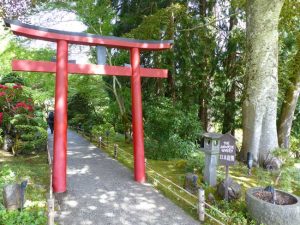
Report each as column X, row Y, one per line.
column 115, row 151
column 100, row 141
column 201, row 206
column 50, row 211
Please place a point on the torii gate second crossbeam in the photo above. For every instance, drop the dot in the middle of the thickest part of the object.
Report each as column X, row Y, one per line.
column 62, row 68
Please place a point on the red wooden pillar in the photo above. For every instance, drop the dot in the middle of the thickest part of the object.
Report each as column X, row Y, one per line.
column 60, row 118
column 137, row 117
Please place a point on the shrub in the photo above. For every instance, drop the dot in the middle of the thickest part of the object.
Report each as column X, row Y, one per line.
column 195, row 160
column 12, row 78
column 29, row 139
column 284, row 155
column 100, row 130
column 170, row 130
column 16, row 107
column 77, row 120
column 295, row 146
column 32, row 217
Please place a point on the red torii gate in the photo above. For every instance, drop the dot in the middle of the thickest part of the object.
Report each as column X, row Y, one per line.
column 62, row 68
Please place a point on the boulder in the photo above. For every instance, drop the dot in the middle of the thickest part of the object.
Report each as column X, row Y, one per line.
column 13, row 195
column 190, row 183
column 273, row 164
column 234, row 189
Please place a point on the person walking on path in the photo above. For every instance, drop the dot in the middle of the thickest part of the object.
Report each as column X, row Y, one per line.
column 50, row 121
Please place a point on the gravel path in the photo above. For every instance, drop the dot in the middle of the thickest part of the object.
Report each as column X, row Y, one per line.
column 101, row 191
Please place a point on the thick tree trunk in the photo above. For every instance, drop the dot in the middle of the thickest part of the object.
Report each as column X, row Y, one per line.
column 289, row 105
column 260, row 102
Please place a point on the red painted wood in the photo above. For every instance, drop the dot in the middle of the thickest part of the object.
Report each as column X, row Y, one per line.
column 89, row 69
column 77, row 39
column 60, row 119
column 61, row 67
column 137, row 117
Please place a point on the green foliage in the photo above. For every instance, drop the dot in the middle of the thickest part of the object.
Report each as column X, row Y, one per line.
column 99, row 18
column 101, row 130
column 42, row 84
column 195, row 161
column 15, row 170
column 14, row 101
column 24, row 217
column 29, row 139
column 1, row 137
column 295, row 146
column 12, row 78
column 170, row 130
column 78, row 104
column 284, row 155
column 237, row 211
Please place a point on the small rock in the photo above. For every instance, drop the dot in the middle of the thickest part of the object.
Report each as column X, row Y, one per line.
column 234, row 189
column 273, row 164
column 190, row 183
column 13, row 195
column 211, row 198
column 8, row 143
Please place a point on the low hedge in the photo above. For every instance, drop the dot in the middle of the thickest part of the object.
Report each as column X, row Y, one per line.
column 29, row 139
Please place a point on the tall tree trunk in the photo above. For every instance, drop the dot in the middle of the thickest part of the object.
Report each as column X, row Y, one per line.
column 204, row 9
column 260, row 100
column 230, row 68
column 289, row 104
column 171, row 72
column 229, row 111
column 203, row 112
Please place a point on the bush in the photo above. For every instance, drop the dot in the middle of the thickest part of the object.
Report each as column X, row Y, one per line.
column 171, row 131
column 29, row 139
column 195, row 160
column 77, row 120
column 12, row 78
column 26, row 217
column 284, row 155
column 295, row 146
column 100, row 130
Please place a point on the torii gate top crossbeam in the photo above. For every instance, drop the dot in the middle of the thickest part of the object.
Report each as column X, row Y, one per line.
column 46, row 34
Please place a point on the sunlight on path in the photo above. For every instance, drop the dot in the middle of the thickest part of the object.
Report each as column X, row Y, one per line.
column 102, row 191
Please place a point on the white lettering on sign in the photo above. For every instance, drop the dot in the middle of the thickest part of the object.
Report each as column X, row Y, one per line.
column 227, row 157
column 227, row 148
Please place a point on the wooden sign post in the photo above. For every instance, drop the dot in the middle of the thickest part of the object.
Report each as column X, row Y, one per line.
column 227, row 156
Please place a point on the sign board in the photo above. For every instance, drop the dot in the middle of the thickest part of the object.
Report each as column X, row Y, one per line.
column 227, row 150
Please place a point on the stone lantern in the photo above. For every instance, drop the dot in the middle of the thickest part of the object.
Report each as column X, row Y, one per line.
column 211, row 150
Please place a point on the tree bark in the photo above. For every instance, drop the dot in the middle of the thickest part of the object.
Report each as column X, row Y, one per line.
column 203, row 112
column 289, row 105
column 260, row 100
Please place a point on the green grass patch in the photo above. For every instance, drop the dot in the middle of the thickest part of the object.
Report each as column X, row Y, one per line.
column 35, row 169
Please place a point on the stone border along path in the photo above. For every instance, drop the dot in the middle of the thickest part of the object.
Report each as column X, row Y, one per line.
column 101, row 191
